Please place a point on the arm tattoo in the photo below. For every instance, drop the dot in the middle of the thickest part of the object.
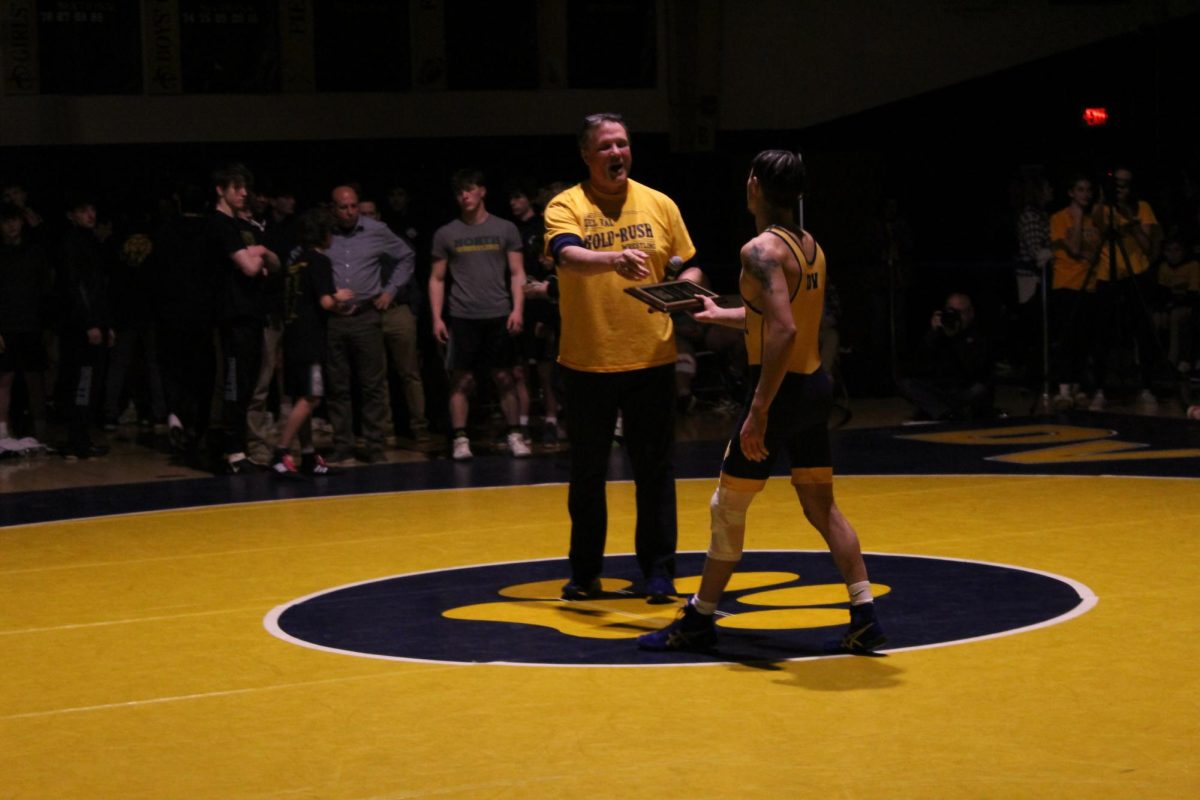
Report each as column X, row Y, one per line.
column 760, row 265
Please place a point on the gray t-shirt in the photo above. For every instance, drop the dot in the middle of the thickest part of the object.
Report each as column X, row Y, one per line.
column 477, row 266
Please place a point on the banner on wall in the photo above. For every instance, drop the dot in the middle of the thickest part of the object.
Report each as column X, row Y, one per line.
column 19, row 45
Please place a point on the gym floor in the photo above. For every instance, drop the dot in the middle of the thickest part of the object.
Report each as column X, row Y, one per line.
column 394, row 631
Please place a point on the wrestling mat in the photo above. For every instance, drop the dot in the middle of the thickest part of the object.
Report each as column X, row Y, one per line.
column 395, row 632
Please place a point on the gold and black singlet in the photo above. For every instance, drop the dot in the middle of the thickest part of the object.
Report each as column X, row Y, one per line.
column 808, row 304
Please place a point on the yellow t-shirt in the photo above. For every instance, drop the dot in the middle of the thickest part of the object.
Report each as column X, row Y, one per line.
column 1181, row 280
column 603, row 328
column 1069, row 273
column 808, row 304
column 1139, row 260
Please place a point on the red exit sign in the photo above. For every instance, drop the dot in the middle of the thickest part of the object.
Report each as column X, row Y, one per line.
column 1095, row 117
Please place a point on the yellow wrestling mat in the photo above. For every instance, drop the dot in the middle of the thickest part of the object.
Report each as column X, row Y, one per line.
column 137, row 661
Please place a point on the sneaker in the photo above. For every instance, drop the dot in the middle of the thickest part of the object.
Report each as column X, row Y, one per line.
column 516, row 445
column 178, row 437
column 865, row 634
column 284, row 466
column 1062, row 402
column 239, row 465
column 313, row 464
column 573, row 590
column 1147, row 403
column 110, row 425
column 691, row 630
column 550, row 434
column 1099, row 401
column 462, row 449
column 660, row 591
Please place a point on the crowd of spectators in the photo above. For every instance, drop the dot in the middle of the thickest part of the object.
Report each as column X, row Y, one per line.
column 110, row 318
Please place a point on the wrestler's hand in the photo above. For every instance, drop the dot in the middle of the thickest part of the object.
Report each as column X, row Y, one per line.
column 711, row 311
column 515, row 323
column 754, row 430
column 631, row 264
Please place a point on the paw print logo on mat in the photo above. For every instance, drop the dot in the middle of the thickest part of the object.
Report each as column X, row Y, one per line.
column 783, row 605
column 771, row 604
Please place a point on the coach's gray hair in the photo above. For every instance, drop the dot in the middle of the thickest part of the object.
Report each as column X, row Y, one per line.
column 593, row 121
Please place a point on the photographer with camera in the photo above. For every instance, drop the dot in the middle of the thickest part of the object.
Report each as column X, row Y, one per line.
column 955, row 380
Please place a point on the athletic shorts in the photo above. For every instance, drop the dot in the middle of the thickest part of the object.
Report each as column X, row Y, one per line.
column 23, row 352
column 480, row 344
column 302, row 379
column 797, row 425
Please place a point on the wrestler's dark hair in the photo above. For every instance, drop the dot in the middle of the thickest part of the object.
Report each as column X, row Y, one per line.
column 316, row 226
column 232, row 175
column 781, row 175
column 467, row 177
column 593, row 121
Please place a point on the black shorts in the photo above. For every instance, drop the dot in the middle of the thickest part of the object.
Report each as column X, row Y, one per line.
column 301, row 379
column 797, row 424
column 23, row 352
column 480, row 344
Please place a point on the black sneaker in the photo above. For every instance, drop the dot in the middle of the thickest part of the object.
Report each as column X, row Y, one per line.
column 313, row 464
column 865, row 634
column 691, row 630
column 660, row 591
column 178, row 438
column 239, row 466
column 284, row 466
column 582, row 591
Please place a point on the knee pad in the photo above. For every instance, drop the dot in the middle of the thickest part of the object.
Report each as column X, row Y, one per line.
column 685, row 364
column 728, row 511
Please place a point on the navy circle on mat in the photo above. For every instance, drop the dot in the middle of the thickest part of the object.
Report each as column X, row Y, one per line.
column 420, row 617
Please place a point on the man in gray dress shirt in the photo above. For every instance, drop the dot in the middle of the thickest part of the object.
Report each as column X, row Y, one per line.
column 363, row 250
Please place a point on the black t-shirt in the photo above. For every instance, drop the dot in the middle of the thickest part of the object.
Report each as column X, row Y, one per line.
column 243, row 296
column 281, row 238
column 189, row 288
column 25, row 275
column 309, row 276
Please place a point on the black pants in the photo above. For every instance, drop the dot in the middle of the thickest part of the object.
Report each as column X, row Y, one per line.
column 241, row 345
column 1123, row 317
column 645, row 399
column 80, row 372
column 188, row 366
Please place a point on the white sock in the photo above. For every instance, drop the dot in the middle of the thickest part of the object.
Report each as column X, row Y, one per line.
column 524, row 420
column 173, row 421
column 551, row 420
column 860, row 593
column 707, row 609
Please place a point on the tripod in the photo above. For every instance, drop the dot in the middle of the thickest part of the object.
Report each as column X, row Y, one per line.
column 1121, row 297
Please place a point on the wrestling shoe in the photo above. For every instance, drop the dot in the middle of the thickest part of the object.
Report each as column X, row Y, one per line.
column 313, row 464
column 660, row 591
column 691, row 630
column 579, row 591
column 284, row 466
column 865, row 633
